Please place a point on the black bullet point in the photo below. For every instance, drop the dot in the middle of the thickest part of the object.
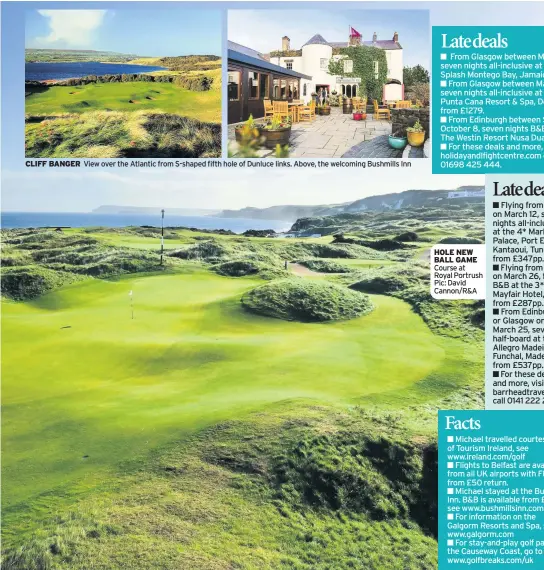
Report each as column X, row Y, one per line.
column 496, row 267
column 495, row 373
column 496, row 311
column 496, row 204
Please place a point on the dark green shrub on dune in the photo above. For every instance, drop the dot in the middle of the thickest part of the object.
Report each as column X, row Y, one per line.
column 324, row 266
column 29, row 282
column 381, row 285
column 359, row 474
column 460, row 240
column 406, row 236
column 306, row 301
column 238, row 268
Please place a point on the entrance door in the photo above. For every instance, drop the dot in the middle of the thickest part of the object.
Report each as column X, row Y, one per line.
column 327, row 88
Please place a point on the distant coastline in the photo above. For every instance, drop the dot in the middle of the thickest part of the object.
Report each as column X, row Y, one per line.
column 22, row 220
column 47, row 72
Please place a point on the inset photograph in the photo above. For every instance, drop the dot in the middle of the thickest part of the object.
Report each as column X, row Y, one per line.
column 319, row 84
column 123, row 83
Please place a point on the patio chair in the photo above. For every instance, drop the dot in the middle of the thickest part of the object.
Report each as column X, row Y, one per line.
column 404, row 104
column 307, row 112
column 281, row 110
column 381, row 113
column 268, row 108
column 359, row 104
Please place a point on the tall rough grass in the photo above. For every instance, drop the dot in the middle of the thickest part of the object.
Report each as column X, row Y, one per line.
column 117, row 134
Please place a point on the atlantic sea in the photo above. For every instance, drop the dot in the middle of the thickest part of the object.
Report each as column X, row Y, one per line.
column 40, row 71
column 12, row 220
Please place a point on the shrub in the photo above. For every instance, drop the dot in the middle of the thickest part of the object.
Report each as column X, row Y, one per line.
column 238, row 268
column 460, row 240
column 353, row 473
column 324, row 266
column 29, row 282
column 307, row 301
column 406, row 236
column 381, row 285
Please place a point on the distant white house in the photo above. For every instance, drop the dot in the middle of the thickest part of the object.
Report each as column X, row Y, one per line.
column 467, row 194
column 313, row 60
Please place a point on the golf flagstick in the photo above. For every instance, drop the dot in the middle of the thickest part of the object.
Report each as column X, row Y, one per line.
column 131, row 304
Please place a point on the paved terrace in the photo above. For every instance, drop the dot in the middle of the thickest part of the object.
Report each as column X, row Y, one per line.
column 336, row 136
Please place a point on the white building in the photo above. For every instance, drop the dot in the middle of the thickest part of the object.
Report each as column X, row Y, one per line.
column 313, row 60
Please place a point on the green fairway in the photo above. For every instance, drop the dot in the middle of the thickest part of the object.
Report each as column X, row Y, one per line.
column 131, row 96
column 109, row 388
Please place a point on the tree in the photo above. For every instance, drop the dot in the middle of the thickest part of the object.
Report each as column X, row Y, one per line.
column 373, row 77
column 415, row 76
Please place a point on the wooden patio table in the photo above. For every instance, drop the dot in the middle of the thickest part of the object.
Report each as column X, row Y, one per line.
column 294, row 107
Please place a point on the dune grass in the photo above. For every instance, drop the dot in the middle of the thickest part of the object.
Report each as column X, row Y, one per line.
column 117, row 134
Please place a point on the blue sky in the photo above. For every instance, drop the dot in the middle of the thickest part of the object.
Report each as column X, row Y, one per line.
column 263, row 29
column 158, row 31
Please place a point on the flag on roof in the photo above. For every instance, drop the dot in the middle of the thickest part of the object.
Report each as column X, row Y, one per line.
column 354, row 33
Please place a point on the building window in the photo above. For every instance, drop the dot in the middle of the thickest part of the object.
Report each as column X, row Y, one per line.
column 376, row 69
column 253, row 84
column 263, row 86
column 234, row 85
column 291, row 90
column 324, row 63
column 295, row 93
column 305, row 89
column 276, row 90
column 283, row 89
column 289, row 64
column 354, row 91
column 348, row 66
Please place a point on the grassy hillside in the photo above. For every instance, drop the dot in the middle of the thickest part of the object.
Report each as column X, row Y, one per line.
column 202, row 435
column 159, row 97
column 66, row 55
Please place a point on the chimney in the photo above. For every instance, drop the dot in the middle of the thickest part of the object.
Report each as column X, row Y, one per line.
column 375, row 37
column 396, row 37
column 285, row 43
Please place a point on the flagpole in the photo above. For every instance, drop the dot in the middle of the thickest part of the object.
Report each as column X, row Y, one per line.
column 162, row 235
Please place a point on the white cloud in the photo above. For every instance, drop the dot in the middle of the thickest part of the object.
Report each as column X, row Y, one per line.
column 71, row 28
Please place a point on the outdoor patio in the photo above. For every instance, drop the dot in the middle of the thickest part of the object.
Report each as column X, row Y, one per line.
column 335, row 136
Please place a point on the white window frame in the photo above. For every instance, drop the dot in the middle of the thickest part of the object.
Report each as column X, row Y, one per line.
column 348, row 66
column 376, row 68
column 323, row 64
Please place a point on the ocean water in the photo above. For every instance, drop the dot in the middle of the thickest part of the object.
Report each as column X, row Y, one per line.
column 81, row 220
column 40, row 71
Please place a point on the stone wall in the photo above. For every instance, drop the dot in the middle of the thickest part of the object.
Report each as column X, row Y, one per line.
column 403, row 118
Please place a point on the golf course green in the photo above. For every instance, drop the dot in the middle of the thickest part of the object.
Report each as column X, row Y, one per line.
column 133, row 96
column 146, row 406
column 101, row 387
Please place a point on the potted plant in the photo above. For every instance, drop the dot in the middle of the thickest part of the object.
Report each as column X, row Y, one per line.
column 276, row 132
column 243, row 130
column 397, row 142
column 323, row 109
column 359, row 116
column 416, row 134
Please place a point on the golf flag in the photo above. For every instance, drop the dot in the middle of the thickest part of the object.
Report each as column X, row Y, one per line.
column 354, row 33
column 130, row 294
